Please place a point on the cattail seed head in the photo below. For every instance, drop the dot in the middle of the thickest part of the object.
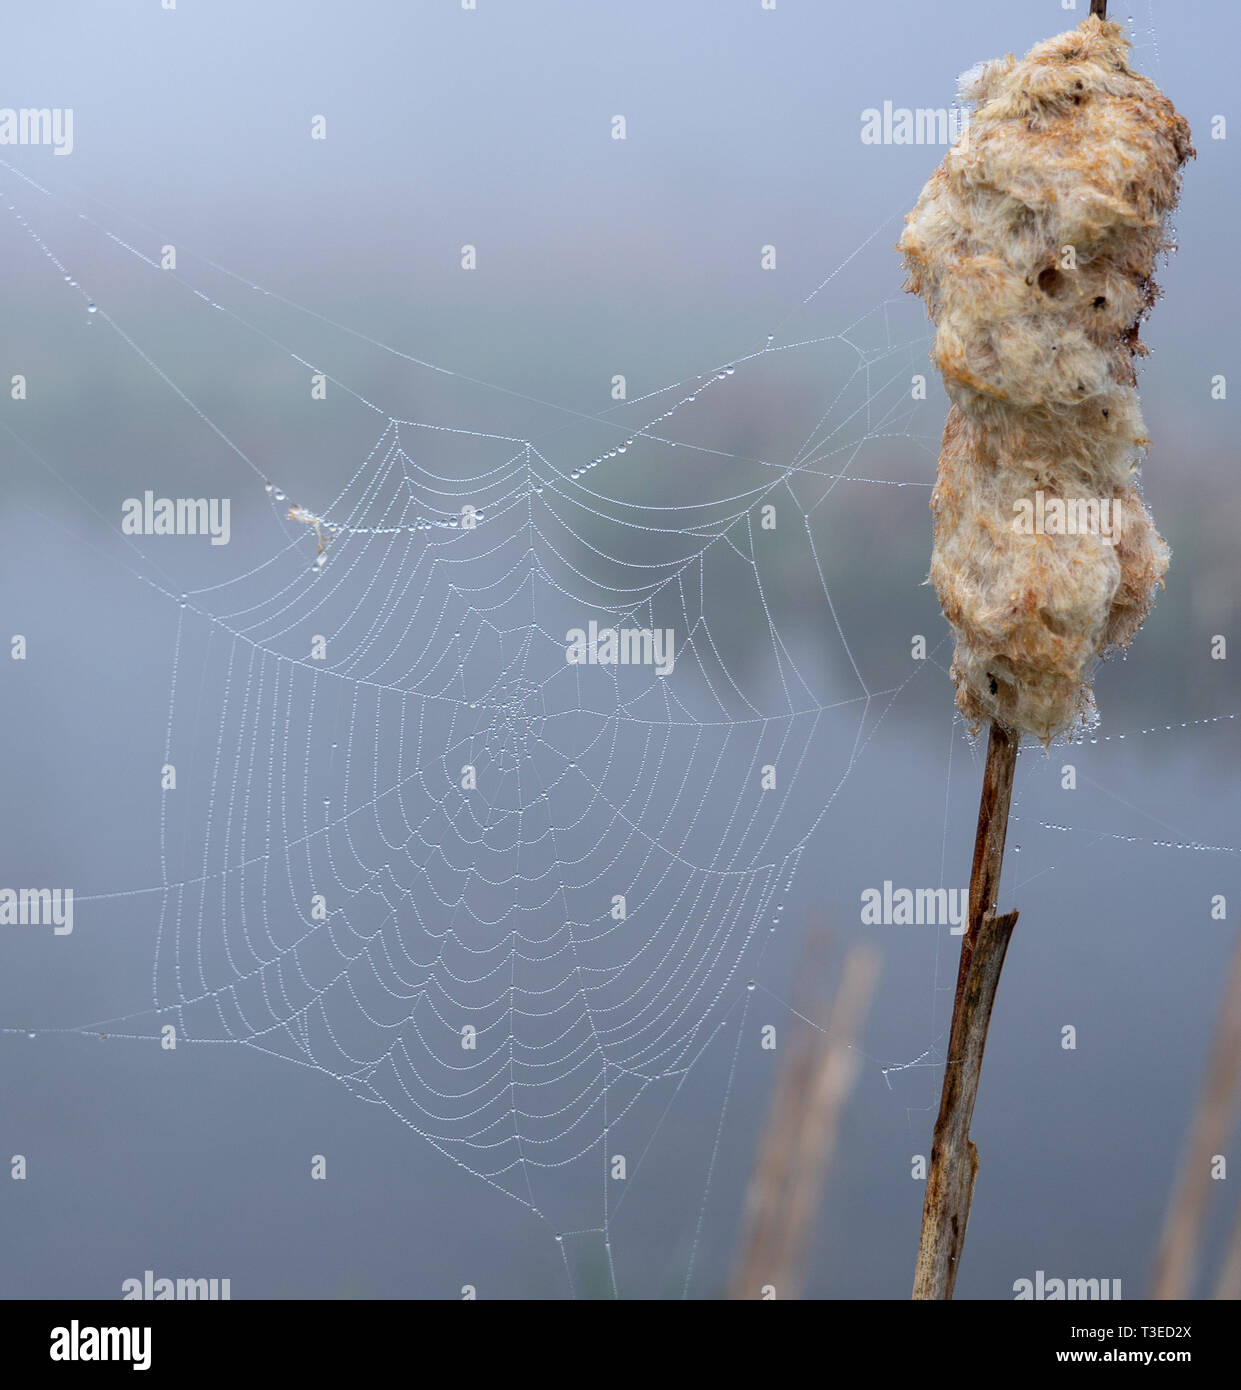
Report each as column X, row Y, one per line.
column 1034, row 246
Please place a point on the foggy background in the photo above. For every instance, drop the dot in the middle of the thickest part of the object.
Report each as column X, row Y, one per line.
column 596, row 256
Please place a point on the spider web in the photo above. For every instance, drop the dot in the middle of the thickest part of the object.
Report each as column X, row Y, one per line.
column 496, row 907
column 524, row 968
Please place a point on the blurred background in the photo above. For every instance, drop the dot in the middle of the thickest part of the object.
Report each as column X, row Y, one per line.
column 595, row 257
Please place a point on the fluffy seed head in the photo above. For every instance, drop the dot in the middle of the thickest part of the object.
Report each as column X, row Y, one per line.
column 1034, row 246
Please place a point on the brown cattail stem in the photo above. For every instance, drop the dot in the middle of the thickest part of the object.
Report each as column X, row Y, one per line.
column 1229, row 1286
column 1175, row 1264
column 1099, row 7
column 954, row 1159
column 784, row 1193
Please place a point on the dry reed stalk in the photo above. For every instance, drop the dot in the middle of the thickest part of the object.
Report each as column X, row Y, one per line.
column 954, row 1159
column 1229, row 1286
column 798, row 1141
column 1176, row 1261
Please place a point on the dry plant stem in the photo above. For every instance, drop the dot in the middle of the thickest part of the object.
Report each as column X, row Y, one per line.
column 1229, row 1286
column 796, row 1148
column 1212, row 1124
column 954, row 1159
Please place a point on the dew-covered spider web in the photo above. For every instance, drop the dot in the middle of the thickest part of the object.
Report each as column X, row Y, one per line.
column 506, row 894
column 406, row 840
